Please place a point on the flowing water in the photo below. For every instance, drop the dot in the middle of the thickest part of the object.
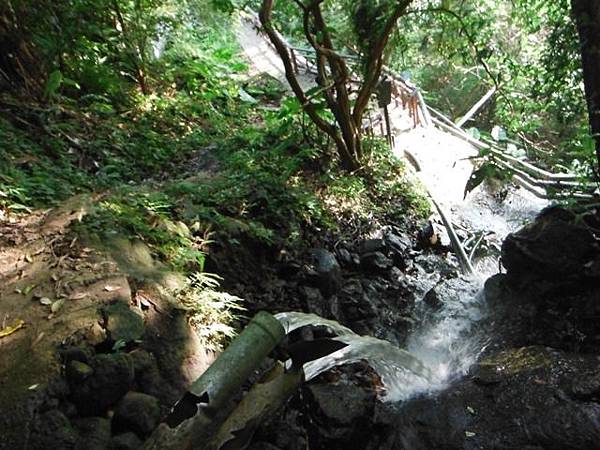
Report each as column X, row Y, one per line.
column 442, row 348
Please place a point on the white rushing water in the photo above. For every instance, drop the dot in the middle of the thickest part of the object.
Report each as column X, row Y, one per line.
column 444, row 347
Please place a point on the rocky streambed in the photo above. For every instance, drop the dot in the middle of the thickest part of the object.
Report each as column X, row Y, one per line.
column 535, row 384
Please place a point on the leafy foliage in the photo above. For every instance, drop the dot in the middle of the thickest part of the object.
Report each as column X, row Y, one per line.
column 211, row 312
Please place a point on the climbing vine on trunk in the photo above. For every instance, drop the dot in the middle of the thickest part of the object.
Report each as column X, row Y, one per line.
column 348, row 104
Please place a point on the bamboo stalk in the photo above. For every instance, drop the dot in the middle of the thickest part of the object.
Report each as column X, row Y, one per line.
column 197, row 416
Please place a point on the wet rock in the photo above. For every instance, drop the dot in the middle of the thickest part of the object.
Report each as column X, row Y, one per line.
column 400, row 243
column 345, row 257
column 522, row 406
column 121, row 323
column 329, row 274
column 396, row 275
column 52, row 430
column 125, row 441
column 137, row 412
column 554, row 245
column 78, row 371
column 94, row 433
column 431, row 423
column 586, row 387
column 112, row 378
column 375, row 262
column 314, row 300
column 354, row 303
column 372, row 246
column 432, row 299
column 400, row 246
column 340, row 404
column 426, row 236
column 342, row 415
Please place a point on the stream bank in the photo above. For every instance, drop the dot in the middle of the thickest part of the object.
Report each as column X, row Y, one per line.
column 100, row 368
column 535, row 385
column 114, row 372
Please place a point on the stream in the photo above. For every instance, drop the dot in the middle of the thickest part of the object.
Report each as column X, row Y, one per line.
column 447, row 338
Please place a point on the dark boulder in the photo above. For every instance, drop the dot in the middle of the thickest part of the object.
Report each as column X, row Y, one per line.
column 400, row 246
column 372, row 246
column 76, row 353
column 554, row 245
column 78, row 371
column 137, row 412
column 121, row 323
column 112, row 377
column 314, row 300
column 94, row 433
column 328, row 272
column 345, row 257
column 148, row 378
column 375, row 262
column 125, row 441
column 52, row 430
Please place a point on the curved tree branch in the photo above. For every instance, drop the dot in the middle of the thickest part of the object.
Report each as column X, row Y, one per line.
column 375, row 60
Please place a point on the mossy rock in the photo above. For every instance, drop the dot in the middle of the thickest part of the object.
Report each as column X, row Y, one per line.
column 122, row 323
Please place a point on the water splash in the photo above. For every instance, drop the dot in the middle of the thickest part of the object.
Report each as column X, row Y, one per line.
column 442, row 348
column 449, row 340
column 400, row 372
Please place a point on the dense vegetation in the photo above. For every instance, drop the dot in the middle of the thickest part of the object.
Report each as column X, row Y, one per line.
column 528, row 51
column 149, row 106
column 145, row 168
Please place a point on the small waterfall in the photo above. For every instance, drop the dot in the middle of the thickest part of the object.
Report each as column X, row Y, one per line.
column 444, row 346
column 448, row 340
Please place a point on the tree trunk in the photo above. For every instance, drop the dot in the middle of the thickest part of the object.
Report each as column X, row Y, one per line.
column 587, row 18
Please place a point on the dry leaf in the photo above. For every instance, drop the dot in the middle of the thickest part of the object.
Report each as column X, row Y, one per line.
column 10, row 330
column 77, row 295
column 109, row 288
column 45, row 301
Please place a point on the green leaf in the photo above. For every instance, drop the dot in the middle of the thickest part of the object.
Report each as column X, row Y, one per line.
column 247, row 98
column 478, row 176
column 474, row 133
column 53, row 84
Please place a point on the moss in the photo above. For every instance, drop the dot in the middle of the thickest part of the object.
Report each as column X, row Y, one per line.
column 513, row 361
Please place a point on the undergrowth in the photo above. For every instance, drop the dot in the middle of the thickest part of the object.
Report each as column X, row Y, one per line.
column 210, row 155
